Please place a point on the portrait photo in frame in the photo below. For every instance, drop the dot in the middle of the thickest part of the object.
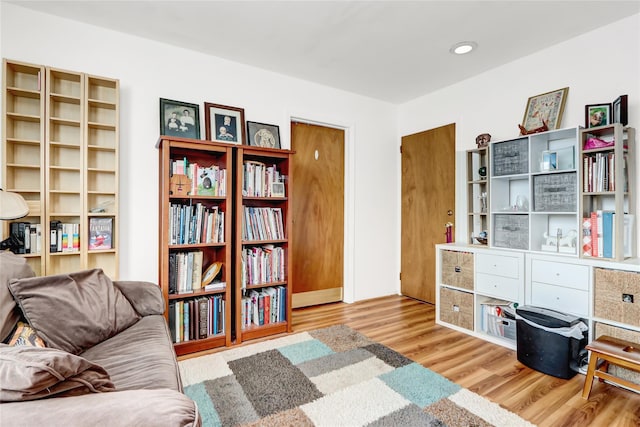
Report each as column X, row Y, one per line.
column 597, row 115
column 619, row 113
column 263, row 135
column 546, row 108
column 179, row 118
column 224, row 123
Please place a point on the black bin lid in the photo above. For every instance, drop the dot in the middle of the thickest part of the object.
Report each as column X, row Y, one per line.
column 546, row 317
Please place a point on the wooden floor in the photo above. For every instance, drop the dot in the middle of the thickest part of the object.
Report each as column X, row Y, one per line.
column 408, row 326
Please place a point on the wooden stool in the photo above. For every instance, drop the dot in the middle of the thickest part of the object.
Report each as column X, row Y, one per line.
column 611, row 350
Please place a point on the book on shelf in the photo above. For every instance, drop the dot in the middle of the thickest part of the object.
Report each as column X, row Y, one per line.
column 100, row 233
column 607, row 234
column 26, row 237
column 587, row 249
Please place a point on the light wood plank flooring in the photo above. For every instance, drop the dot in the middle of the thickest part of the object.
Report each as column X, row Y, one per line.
column 408, row 326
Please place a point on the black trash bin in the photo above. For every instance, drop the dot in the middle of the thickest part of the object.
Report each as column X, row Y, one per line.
column 548, row 340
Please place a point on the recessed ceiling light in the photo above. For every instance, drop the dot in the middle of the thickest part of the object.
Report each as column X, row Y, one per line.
column 463, row 47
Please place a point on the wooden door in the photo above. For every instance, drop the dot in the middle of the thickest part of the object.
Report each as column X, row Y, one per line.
column 428, row 203
column 318, row 214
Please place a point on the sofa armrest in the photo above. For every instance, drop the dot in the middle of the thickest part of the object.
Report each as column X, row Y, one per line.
column 145, row 297
column 118, row 408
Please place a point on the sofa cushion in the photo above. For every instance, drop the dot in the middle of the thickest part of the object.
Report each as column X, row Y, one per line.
column 141, row 357
column 29, row 373
column 73, row 312
column 25, row 335
column 11, row 267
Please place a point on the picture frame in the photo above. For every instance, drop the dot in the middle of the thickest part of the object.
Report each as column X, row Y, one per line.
column 619, row 111
column 597, row 115
column 277, row 189
column 545, row 109
column 224, row 123
column 549, row 160
column 263, row 135
column 179, row 118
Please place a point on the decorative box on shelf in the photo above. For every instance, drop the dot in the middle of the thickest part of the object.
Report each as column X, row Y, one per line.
column 510, row 157
column 511, row 231
column 555, row 192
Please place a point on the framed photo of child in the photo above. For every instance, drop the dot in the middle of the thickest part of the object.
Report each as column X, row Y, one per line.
column 224, row 123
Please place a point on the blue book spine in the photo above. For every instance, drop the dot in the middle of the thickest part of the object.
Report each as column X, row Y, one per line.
column 607, row 234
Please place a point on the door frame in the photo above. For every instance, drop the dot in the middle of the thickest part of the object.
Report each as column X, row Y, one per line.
column 349, row 191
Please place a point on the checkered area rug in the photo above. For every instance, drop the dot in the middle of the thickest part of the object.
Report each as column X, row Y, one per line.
column 330, row 377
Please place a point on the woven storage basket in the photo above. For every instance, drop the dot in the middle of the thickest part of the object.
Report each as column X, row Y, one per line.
column 614, row 291
column 457, row 269
column 511, row 231
column 624, row 334
column 456, row 307
column 510, row 157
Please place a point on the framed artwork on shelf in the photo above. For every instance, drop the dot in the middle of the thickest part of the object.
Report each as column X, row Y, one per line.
column 545, row 110
column 263, row 135
column 619, row 114
column 224, row 123
column 179, row 118
column 597, row 115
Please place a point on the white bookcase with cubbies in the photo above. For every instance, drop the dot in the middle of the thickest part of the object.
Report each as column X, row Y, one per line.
column 478, row 195
column 534, row 187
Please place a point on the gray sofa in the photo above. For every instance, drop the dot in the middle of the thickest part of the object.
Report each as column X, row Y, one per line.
column 108, row 359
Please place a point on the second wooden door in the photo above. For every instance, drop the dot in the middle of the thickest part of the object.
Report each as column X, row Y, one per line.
column 318, row 214
column 428, row 204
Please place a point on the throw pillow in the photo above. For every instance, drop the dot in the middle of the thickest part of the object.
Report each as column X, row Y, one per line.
column 73, row 312
column 30, row 373
column 25, row 335
column 11, row 267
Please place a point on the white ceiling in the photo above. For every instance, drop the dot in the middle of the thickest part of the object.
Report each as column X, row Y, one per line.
column 389, row 50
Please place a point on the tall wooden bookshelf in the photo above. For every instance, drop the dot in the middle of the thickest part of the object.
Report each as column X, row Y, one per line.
column 178, row 199
column 23, row 141
column 262, row 243
column 60, row 138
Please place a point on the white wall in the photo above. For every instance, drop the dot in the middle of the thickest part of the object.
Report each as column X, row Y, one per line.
column 148, row 71
column 597, row 67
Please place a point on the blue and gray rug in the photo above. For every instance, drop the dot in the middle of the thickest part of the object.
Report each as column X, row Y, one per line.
column 330, row 377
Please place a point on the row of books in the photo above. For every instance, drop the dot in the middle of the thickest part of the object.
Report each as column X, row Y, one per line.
column 599, row 172
column 185, row 272
column 263, row 264
column 193, row 224
column 27, row 237
column 262, row 224
column 64, row 237
column 265, row 306
column 205, row 180
column 599, row 234
column 197, row 318
column 259, row 179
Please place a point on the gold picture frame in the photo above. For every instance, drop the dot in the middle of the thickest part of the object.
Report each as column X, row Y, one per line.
column 545, row 110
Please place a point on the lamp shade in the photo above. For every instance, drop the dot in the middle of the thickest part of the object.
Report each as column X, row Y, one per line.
column 12, row 205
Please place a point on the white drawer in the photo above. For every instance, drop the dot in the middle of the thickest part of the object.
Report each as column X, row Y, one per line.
column 565, row 300
column 501, row 265
column 556, row 273
column 498, row 286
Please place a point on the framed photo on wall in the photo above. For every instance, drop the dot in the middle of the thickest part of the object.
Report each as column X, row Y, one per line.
column 546, row 108
column 597, row 115
column 179, row 118
column 224, row 123
column 620, row 114
column 263, row 135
